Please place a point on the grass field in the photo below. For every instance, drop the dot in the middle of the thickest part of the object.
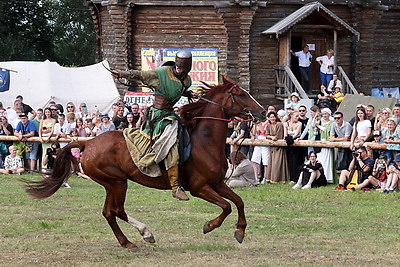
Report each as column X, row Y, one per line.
column 317, row 227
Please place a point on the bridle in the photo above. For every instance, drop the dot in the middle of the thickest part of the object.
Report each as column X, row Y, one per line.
column 244, row 111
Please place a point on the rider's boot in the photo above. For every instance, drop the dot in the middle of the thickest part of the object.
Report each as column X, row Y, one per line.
column 177, row 191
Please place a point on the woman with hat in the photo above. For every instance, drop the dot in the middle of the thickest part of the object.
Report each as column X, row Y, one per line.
column 106, row 125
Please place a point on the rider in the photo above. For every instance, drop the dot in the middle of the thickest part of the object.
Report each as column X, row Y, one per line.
column 169, row 84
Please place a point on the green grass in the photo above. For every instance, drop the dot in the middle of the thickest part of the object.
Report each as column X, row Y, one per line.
column 286, row 227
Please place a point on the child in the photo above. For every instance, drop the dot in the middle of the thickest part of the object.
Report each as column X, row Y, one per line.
column 20, row 147
column 294, row 101
column 379, row 173
column 12, row 163
column 77, row 154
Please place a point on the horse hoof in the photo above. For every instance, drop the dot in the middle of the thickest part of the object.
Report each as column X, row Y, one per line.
column 206, row 228
column 239, row 236
column 149, row 239
column 129, row 245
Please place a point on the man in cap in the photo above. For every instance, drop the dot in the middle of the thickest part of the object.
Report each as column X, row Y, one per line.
column 169, row 83
column 25, row 129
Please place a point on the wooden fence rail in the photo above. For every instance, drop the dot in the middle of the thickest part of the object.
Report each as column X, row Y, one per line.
column 244, row 142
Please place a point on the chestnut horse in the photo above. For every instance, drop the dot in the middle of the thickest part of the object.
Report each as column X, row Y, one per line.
column 107, row 161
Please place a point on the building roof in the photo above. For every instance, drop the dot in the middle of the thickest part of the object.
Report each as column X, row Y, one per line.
column 303, row 12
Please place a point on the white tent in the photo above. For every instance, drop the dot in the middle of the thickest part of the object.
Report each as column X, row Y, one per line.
column 41, row 82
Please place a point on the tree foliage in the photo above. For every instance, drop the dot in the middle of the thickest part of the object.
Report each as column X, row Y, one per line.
column 57, row 30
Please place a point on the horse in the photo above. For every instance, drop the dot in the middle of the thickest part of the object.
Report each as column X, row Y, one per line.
column 106, row 160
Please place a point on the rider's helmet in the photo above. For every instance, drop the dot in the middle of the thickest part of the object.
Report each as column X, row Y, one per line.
column 183, row 59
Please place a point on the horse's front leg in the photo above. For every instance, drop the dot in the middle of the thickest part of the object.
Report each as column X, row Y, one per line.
column 226, row 192
column 207, row 193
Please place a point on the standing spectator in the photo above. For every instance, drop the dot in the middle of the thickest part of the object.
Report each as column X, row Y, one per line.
column 326, row 154
column 62, row 129
column 304, row 134
column 341, row 132
column 381, row 119
column 293, row 154
column 38, row 118
column 240, row 173
column 92, row 130
column 119, row 117
column 71, row 119
column 242, row 131
column 361, row 130
column 311, row 173
column 260, row 153
column 80, row 128
column 106, row 125
column 327, row 64
column 305, row 58
column 70, row 107
column 277, row 170
column 27, row 109
column 333, row 83
column 135, row 113
column 130, row 123
column 83, row 112
column 5, row 130
column 396, row 112
column 313, row 132
column 24, row 130
column 370, row 111
column 362, row 163
column 12, row 163
column 46, row 130
column 12, row 112
column 54, row 112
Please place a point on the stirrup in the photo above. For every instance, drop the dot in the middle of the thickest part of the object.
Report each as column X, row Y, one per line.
column 180, row 194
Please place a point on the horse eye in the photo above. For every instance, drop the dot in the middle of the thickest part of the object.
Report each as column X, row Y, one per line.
column 242, row 94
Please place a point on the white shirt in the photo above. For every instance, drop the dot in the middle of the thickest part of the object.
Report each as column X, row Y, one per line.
column 325, row 63
column 362, row 128
column 304, row 58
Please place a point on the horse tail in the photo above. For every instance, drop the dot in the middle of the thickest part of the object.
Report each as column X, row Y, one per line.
column 62, row 169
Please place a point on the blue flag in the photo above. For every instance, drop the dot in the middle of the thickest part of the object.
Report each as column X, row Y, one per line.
column 4, row 80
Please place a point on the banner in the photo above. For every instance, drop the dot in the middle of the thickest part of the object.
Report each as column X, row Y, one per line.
column 204, row 63
column 145, row 100
column 4, row 80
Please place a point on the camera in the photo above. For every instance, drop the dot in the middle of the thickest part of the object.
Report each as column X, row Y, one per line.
column 51, row 151
column 356, row 154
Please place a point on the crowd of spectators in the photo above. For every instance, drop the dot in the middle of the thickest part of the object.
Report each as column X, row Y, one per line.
column 54, row 121
column 353, row 168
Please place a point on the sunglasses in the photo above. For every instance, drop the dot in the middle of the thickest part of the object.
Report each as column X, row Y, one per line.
column 337, row 118
column 69, row 106
column 302, row 110
column 53, row 109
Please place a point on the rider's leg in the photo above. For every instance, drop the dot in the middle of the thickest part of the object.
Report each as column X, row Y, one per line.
column 177, row 191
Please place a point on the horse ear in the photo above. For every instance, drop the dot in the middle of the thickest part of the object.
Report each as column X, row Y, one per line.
column 226, row 79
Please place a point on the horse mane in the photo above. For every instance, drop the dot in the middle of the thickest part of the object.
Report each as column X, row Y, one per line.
column 195, row 109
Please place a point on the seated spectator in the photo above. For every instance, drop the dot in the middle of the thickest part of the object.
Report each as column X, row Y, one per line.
column 294, row 101
column 377, row 152
column 51, row 154
column 337, row 96
column 240, row 173
column 311, row 173
column 333, row 83
column 12, row 163
column 324, row 98
column 378, row 179
column 361, row 163
column 80, row 128
column 5, row 130
column 393, row 173
column 391, row 136
column 362, row 129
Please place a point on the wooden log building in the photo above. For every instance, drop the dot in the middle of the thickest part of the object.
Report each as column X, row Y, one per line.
column 254, row 38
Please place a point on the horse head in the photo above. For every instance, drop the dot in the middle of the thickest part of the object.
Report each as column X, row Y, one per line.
column 240, row 103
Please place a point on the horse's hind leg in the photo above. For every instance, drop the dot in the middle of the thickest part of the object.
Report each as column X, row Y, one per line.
column 226, row 192
column 114, row 206
column 208, row 194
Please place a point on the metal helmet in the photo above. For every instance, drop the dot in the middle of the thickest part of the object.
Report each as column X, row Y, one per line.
column 183, row 59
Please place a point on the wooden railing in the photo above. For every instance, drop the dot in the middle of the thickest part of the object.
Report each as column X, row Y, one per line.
column 287, row 83
column 347, row 85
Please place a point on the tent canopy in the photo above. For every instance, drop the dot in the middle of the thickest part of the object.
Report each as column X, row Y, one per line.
column 41, row 82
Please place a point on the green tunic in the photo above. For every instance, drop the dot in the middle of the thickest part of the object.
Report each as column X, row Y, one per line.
column 164, row 83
